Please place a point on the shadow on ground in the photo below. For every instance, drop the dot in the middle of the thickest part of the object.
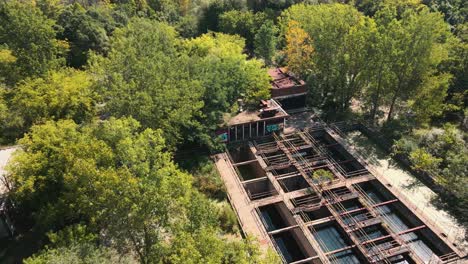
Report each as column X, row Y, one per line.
column 14, row 250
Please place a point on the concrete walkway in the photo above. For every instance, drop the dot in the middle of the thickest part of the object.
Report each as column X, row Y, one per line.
column 407, row 184
column 5, row 155
column 245, row 210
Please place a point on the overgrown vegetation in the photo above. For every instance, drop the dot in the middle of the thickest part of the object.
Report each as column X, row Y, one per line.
column 443, row 153
column 322, row 176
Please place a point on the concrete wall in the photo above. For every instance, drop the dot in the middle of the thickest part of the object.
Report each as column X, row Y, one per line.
column 285, row 213
column 427, row 235
column 303, row 243
column 260, row 186
column 298, row 89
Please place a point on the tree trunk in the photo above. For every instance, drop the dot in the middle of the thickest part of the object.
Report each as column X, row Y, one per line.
column 375, row 99
column 141, row 256
column 350, row 91
column 392, row 106
column 375, row 106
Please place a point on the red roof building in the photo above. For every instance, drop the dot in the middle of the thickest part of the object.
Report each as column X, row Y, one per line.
column 285, row 85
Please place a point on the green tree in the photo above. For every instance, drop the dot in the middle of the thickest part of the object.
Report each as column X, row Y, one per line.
column 368, row 7
column 338, row 36
column 388, row 61
column 265, row 41
column 322, row 176
column 422, row 160
column 117, row 179
column 429, row 102
column 79, row 253
column 379, row 73
column 31, row 38
column 109, row 175
column 406, row 65
column 443, row 153
column 50, row 8
column 211, row 12
column 226, row 75
column 243, row 23
column 455, row 11
column 7, row 61
column 85, row 30
column 419, row 38
column 180, row 86
column 3, row 114
column 3, row 105
column 146, row 77
column 228, row 218
column 457, row 65
column 61, row 94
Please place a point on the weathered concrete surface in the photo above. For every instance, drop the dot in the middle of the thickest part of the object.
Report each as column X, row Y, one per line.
column 245, row 211
column 5, row 155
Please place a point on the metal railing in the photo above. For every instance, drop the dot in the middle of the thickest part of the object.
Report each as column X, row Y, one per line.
column 390, row 222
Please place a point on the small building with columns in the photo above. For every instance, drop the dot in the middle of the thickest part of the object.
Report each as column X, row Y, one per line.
column 248, row 124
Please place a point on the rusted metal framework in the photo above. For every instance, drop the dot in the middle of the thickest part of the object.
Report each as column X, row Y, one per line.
column 354, row 227
column 290, row 204
column 376, row 250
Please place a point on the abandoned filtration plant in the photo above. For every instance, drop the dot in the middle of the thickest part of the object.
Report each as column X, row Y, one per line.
column 306, row 193
column 351, row 217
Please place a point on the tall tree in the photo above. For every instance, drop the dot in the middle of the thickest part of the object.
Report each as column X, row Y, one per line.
column 180, row 86
column 31, row 38
column 405, row 59
column 390, row 59
column 338, row 34
column 116, row 178
column 242, row 23
column 418, row 38
column 226, row 75
column 299, row 49
column 86, row 30
column 265, row 41
column 429, row 101
column 111, row 175
column 146, row 77
column 61, row 94
column 379, row 73
column 457, row 65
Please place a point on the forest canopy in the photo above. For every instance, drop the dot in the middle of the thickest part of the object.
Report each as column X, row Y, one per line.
column 104, row 97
